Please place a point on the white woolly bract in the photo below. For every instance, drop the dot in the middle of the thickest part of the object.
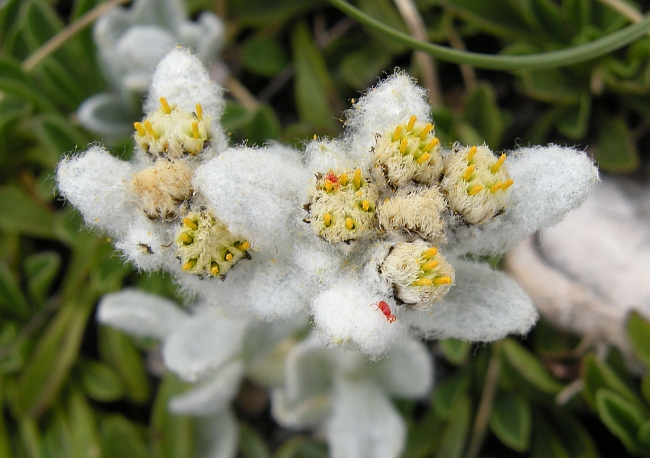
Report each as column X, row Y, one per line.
column 203, row 343
column 181, row 78
column 96, row 184
column 211, row 395
column 407, row 371
column 146, row 245
column 483, row 306
column 348, row 315
column 257, row 193
column 329, row 154
column 393, row 101
column 549, row 182
column 364, row 423
column 140, row 314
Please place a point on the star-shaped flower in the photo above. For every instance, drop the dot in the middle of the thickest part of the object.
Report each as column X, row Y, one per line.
column 403, row 223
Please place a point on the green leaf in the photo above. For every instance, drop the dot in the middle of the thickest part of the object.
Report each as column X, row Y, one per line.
column 644, row 434
column 448, row 393
column 529, row 367
column 121, row 439
column 5, row 449
column 15, row 82
column 116, row 349
column 100, row 381
column 484, row 115
column 638, row 330
column 263, row 56
column 455, row 350
column 19, row 212
column 385, row 12
column 55, row 353
column 360, row 67
column 263, row 126
column 251, row 444
column 616, row 150
column 455, row 434
column 553, row 86
column 596, row 374
column 83, row 426
column 511, row 421
column 57, row 440
column 12, row 299
column 172, row 435
column 268, row 11
column 313, row 86
column 56, row 136
column 41, row 269
column 573, row 120
column 622, row 417
column 301, row 447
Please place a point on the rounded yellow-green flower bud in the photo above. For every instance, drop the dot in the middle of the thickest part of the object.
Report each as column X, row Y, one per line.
column 476, row 182
column 420, row 275
column 173, row 132
column 205, row 247
column 408, row 152
column 342, row 206
column 417, row 210
column 163, row 189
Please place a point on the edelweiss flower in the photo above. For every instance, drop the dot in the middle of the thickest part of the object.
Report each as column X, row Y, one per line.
column 174, row 208
column 130, row 45
column 351, row 395
column 401, row 222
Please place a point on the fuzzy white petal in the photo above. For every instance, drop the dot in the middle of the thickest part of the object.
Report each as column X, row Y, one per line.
column 203, row 343
column 391, row 102
column 140, row 313
column 407, row 371
column 364, row 423
column 95, row 183
column 347, row 314
column 256, row 193
column 217, row 436
column 484, row 305
column 304, row 413
column 211, row 395
column 308, row 370
column 548, row 183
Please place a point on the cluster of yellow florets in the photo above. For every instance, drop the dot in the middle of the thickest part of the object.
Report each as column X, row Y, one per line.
column 413, row 190
column 172, row 137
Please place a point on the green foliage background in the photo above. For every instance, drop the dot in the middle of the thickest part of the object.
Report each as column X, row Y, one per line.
column 69, row 388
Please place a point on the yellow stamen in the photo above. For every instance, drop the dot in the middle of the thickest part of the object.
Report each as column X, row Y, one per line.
column 422, row 282
column 474, row 189
column 411, row 123
column 430, row 253
column 228, row 257
column 214, row 270
column 495, row 187
column 497, row 165
column 428, row 265
column 199, row 112
column 343, row 179
column 327, row 219
column 349, row 223
column 189, row 223
column 365, row 205
column 423, row 158
column 243, row 246
column 426, row 131
column 356, row 180
column 468, row 172
column 328, row 186
column 140, row 129
column 189, row 264
column 432, row 144
column 507, row 184
column 149, row 128
column 403, row 145
column 165, row 106
column 442, row 281
column 398, row 133
column 195, row 129
column 472, row 152
column 315, row 137
column 186, row 238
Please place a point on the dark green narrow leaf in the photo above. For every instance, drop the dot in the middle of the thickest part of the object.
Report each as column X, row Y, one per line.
column 616, row 150
column 574, row 119
column 529, row 367
column 57, row 136
column 455, row 435
column 251, row 445
column 12, row 299
column 172, row 436
column 511, row 421
column 638, row 333
column 263, row 56
column 121, row 439
column 455, row 350
column 41, row 269
column 484, row 115
column 83, row 426
column 313, row 87
column 622, row 417
column 5, row 449
column 301, row 447
column 19, row 212
column 15, row 82
column 596, row 374
column 448, row 393
column 99, row 381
